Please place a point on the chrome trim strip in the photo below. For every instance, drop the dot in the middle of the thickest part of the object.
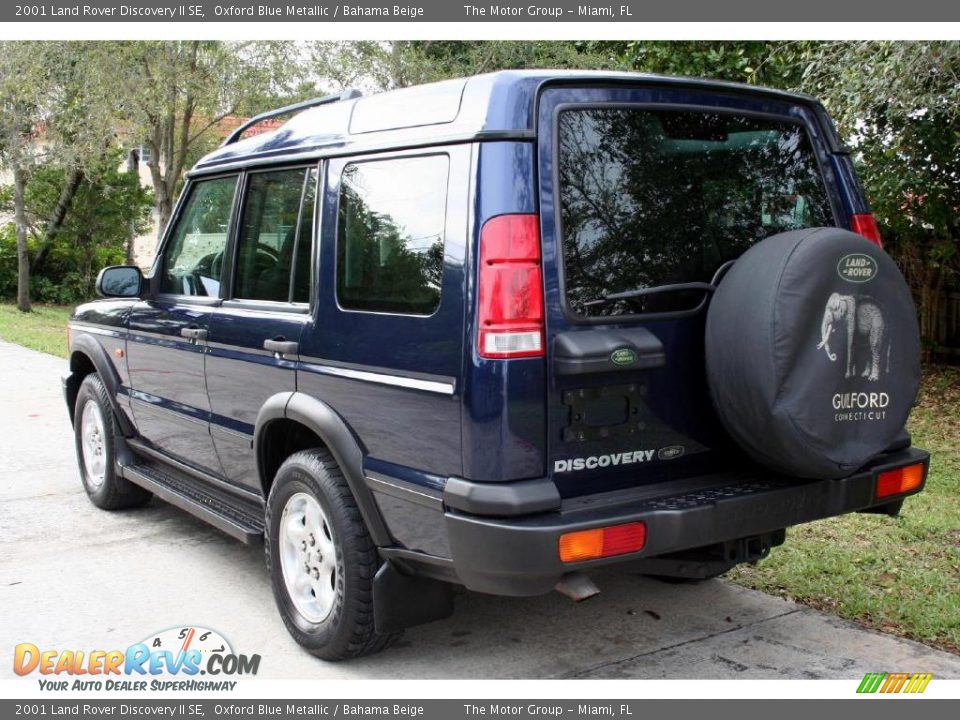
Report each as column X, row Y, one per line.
column 404, row 492
column 441, row 388
column 138, row 400
column 229, row 433
column 95, row 330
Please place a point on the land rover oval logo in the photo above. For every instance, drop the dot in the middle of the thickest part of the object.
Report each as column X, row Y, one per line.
column 623, row 356
column 670, row 453
column 857, row 267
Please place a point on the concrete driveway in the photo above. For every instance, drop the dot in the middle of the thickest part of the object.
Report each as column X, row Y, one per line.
column 72, row 576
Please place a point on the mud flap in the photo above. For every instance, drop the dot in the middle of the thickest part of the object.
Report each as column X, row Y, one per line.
column 401, row 600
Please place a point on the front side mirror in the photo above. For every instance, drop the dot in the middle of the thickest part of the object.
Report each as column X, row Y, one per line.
column 120, row 281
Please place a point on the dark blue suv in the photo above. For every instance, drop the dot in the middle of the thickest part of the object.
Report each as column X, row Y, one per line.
column 498, row 331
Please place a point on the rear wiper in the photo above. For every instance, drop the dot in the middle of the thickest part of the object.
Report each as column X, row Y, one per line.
column 676, row 287
column 644, row 291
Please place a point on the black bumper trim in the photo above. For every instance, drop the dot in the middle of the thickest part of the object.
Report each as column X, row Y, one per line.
column 518, row 555
column 521, row 497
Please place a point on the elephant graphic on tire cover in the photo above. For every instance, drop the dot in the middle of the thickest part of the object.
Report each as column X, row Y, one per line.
column 864, row 320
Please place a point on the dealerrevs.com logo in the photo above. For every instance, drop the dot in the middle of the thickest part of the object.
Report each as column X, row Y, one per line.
column 172, row 659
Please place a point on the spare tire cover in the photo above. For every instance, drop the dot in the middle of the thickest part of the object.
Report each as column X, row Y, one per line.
column 793, row 402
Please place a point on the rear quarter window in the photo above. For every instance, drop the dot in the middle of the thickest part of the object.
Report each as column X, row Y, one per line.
column 390, row 234
column 659, row 197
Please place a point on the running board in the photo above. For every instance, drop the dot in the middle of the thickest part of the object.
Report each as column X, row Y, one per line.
column 237, row 518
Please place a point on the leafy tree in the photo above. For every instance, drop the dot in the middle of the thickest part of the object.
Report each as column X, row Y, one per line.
column 108, row 203
column 21, row 112
column 385, row 65
column 54, row 101
column 388, row 65
column 174, row 94
column 754, row 62
column 270, row 97
column 897, row 104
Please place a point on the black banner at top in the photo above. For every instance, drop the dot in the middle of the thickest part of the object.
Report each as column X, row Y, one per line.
column 542, row 11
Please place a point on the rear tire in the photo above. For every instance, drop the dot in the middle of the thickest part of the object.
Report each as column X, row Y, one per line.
column 321, row 559
column 95, row 434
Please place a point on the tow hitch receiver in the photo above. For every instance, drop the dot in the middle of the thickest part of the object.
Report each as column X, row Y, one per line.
column 711, row 560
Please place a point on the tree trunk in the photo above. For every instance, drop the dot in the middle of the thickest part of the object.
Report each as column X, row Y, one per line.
column 70, row 187
column 398, row 77
column 133, row 166
column 164, row 211
column 20, row 223
column 162, row 203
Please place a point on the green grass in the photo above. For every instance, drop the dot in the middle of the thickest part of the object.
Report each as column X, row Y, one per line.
column 899, row 575
column 43, row 329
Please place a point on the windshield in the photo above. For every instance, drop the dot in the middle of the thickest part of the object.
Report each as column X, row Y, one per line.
column 660, row 197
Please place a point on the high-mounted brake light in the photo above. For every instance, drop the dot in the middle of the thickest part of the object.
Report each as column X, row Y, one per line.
column 602, row 542
column 899, row 481
column 510, row 294
column 865, row 224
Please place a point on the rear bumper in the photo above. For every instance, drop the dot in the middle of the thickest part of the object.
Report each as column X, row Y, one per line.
column 518, row 555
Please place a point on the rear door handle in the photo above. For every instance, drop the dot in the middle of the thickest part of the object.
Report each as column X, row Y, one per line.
column 602, row 351
column 281, row 346
column 194, row 333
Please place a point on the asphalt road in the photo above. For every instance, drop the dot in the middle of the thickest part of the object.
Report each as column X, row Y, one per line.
column 72, row 576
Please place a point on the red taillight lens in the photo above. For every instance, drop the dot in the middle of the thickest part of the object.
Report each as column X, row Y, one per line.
column 602, row 542
column 510, row 294
column 864, row 224
column 900, row 481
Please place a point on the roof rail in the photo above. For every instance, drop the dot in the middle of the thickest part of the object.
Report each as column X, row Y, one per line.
column 287, row 109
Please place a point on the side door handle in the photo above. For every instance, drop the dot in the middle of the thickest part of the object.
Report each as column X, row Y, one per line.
column 194, row 333
column 281, row 346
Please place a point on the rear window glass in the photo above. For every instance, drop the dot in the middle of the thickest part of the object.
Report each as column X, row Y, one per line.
column 650, row 198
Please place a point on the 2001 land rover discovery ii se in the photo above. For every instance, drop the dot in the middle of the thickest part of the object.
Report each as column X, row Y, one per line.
column 499, row 331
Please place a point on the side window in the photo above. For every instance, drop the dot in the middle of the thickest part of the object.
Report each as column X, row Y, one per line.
column 390, row 233
column 276, row 234
column 193, row 261
column 303, row 262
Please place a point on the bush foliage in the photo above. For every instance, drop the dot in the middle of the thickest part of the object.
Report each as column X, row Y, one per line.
column 109, row 205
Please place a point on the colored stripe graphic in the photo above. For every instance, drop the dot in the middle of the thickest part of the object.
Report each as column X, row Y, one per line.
column 914, row 683
column 920, row 682
column 870, row 682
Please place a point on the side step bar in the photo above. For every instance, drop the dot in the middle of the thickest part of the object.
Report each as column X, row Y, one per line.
column 237, row 518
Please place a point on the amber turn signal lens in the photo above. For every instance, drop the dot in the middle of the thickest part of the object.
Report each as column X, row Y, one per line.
column 602, row 542
column 900, row 481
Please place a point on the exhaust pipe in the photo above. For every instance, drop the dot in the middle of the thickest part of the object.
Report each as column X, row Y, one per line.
column 577, row 586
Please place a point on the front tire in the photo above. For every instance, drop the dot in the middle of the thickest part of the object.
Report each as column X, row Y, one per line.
column 95, row 433
column 321, row 559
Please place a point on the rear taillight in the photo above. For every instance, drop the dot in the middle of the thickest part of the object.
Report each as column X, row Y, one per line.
column 510, row 295
column 864, row 224
column 900, row 481
column 602, row 542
